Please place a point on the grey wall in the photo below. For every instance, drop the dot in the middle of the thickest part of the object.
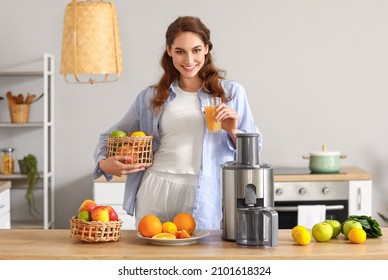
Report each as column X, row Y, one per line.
column 315, row 73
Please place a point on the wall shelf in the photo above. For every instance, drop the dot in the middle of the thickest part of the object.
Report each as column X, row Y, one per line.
column 44, row 146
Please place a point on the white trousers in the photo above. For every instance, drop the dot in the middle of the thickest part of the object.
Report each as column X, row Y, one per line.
column 165, row 195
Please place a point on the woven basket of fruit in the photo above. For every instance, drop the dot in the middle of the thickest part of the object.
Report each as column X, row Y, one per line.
column 137, row 146
column 95, row 231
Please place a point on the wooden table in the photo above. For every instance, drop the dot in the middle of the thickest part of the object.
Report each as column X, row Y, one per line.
column 16, row 244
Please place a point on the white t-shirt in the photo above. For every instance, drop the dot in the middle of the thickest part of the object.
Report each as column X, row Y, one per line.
column 182, row 129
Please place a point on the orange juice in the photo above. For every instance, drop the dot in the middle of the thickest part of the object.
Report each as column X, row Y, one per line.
column 212, row 125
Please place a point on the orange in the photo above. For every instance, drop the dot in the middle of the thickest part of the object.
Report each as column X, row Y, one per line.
column 149, row 225
column 185, row 221
column 164, row 235
column 357, row 235
column 184, row 234
column 169, row 227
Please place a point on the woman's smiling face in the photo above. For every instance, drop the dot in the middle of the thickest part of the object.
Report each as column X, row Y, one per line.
column 188, row 54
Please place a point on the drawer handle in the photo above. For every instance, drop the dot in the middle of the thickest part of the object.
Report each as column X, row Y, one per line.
column 2, row 206
column 295, row 208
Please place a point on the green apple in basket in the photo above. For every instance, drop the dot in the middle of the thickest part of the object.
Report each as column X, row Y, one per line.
column 118, row 133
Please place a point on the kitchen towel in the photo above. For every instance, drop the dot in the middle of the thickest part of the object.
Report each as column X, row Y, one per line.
column 309, row 215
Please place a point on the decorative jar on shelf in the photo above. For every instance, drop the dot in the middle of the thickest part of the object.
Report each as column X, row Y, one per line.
column 7, row 161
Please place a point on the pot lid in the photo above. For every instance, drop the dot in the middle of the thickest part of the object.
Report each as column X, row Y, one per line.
column 324, row 152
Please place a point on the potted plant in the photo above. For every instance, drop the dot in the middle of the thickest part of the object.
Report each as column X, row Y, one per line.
column 29, row 165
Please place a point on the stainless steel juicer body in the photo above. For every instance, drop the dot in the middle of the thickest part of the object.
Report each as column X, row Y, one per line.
column 246, row 184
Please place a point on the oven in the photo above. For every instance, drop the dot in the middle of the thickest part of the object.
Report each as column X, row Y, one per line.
column 288, row 195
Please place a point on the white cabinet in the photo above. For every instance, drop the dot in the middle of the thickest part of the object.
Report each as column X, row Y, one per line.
column 360, row 197
column 34, row 137
column 5, row 205
column 112, row 193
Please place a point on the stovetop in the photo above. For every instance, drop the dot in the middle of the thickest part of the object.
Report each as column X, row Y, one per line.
column 297, row 171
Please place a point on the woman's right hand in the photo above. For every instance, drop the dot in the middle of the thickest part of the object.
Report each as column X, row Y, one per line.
column 112, row 165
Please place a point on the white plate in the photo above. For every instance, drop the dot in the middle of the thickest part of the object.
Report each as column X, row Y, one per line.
column 182, row 241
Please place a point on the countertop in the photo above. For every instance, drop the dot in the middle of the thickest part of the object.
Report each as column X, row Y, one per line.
column 292, row 174
column 4, row 185
column 57, row 244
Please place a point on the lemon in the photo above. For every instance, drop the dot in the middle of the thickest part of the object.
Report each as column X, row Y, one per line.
column 357, row 235
column 302, row 237
column 164, row 235
column 169, row 227
column 138, row 134
column 296, row 228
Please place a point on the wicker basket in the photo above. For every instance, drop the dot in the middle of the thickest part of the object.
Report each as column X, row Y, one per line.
column 137, row 148
column 95, row 231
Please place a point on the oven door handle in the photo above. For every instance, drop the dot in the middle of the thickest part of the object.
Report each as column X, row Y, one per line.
column 295, row 208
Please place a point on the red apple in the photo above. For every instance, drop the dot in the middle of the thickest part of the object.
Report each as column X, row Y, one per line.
column 112, row 214
column 87, row 205
column 100, row 213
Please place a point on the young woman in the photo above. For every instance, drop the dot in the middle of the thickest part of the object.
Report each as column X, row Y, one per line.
column 185, row 174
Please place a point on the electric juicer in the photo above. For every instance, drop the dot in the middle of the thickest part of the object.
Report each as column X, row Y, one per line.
column 248, row 211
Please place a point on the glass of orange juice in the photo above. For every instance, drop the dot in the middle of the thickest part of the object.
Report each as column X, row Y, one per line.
column 210, row 104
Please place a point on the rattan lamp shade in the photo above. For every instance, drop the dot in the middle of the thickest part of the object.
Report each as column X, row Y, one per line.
column 91, row 42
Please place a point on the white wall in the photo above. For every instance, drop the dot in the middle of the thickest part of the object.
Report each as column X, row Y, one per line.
column 315, row 73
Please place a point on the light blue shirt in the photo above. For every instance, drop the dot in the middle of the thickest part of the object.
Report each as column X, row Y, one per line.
column 217, row 149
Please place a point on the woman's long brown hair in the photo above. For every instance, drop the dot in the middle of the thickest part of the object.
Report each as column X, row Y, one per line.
column 209, row 74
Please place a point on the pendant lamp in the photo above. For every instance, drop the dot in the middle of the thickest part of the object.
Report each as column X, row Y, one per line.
column 91, row 50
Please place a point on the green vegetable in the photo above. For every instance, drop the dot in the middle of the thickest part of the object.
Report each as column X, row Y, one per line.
column 33, row 175
column 371, row 226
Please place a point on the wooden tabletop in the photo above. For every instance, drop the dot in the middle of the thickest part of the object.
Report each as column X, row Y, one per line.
column 57, row 244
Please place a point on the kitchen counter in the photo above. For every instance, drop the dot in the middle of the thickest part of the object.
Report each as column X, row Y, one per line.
column 345, row 174
column 57, row 244
column 4, row 185
column 291, row 174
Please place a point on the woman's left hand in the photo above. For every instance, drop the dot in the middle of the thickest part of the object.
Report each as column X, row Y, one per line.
column 229, row 119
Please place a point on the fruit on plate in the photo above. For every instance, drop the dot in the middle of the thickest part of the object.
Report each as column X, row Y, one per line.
column 164, row 235
column 349, row 225
column 169, row 227
column 185, row 221
column 149, row 225
column 336, row 225
column 118, row 133
column 138, row 134
column 100, row 213
column 87, row 205
column 322, row 232
column 180, row 234
column 112, row 214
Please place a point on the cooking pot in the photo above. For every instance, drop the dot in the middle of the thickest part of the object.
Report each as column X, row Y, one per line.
column 325, row 161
